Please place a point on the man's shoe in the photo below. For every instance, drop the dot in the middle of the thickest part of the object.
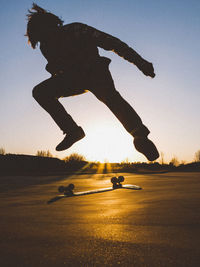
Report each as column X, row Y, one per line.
column 146, row 147
column 70, row 139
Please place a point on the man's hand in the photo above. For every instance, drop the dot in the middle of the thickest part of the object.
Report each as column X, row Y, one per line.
column 147, row 68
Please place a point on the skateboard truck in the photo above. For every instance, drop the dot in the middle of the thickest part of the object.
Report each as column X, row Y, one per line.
column 67, row 190
column 117, row 181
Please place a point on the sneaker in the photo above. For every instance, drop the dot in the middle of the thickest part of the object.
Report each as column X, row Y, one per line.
column 146, row 147
column 70, row 139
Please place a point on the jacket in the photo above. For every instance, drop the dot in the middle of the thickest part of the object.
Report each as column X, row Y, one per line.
column 74, row 47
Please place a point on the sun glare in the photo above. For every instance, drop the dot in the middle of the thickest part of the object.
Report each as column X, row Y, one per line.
column 108, row 143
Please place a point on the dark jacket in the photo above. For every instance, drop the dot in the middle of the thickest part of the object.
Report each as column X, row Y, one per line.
column 73, row 47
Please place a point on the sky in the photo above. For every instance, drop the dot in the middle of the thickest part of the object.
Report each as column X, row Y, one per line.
column 166, row 33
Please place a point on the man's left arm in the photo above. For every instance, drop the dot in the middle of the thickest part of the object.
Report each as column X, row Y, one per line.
column 111, row 43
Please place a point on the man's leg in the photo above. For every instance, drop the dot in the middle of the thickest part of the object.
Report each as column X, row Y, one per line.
column 47, row 94
column 105, row 91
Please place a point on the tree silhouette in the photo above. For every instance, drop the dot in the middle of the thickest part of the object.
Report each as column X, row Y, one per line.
column 174, row 161
column 74, row 157
column 42, row 153
column 197, row 156
column 161, row 157
column 2, row 151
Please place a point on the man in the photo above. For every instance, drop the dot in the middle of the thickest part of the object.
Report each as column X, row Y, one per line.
column 76, row 66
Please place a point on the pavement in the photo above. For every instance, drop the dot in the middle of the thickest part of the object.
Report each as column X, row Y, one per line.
column 156, row 226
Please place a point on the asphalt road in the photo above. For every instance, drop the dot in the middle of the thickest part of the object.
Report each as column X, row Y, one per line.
column 156, row 226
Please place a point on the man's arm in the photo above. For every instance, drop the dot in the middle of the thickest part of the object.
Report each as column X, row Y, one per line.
column 111, row 43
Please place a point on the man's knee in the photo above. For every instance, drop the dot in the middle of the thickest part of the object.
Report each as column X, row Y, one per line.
column 40, row 92
column 36, row 92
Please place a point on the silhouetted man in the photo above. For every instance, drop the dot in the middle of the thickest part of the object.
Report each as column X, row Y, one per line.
column 76, row 66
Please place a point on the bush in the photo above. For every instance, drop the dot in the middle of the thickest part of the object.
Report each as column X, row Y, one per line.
column 197, row 156
column 2, row 151
column 42, row 153
column 74, row 157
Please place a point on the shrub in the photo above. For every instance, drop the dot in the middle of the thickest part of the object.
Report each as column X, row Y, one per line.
column 2, row 151
column 74, row 157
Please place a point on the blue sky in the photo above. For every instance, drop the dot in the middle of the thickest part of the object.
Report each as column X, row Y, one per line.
column 166, row 33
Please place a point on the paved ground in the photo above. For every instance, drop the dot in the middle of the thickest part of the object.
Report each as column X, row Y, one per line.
column 156, row 226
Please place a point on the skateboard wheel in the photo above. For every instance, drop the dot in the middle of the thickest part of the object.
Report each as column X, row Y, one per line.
column 120, row 179
column 114, row 180
column 71, row 186
column 61, row 189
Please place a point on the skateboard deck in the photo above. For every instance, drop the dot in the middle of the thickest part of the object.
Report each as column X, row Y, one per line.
column 68, row 191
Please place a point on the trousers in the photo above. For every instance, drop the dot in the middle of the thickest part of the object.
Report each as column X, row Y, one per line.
column 98, row 81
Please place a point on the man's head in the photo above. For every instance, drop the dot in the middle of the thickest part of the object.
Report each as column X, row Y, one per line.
column 40, row 22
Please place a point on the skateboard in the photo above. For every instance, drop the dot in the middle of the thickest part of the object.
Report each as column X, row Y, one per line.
column 116, row 184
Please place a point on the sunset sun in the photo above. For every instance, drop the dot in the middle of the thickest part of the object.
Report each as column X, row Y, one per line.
column 108, row 142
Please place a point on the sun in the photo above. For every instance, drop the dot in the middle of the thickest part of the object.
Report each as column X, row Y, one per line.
column 107, row 143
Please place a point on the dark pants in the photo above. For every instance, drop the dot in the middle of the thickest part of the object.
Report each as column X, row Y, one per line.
column 98, row 81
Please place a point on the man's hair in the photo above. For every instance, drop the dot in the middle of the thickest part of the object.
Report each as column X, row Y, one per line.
column 37, row 18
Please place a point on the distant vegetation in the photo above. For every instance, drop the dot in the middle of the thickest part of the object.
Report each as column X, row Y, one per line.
column 41, row 153
column 2, row 151
column 45, row 163
column 197, row 156
column 75, row 157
